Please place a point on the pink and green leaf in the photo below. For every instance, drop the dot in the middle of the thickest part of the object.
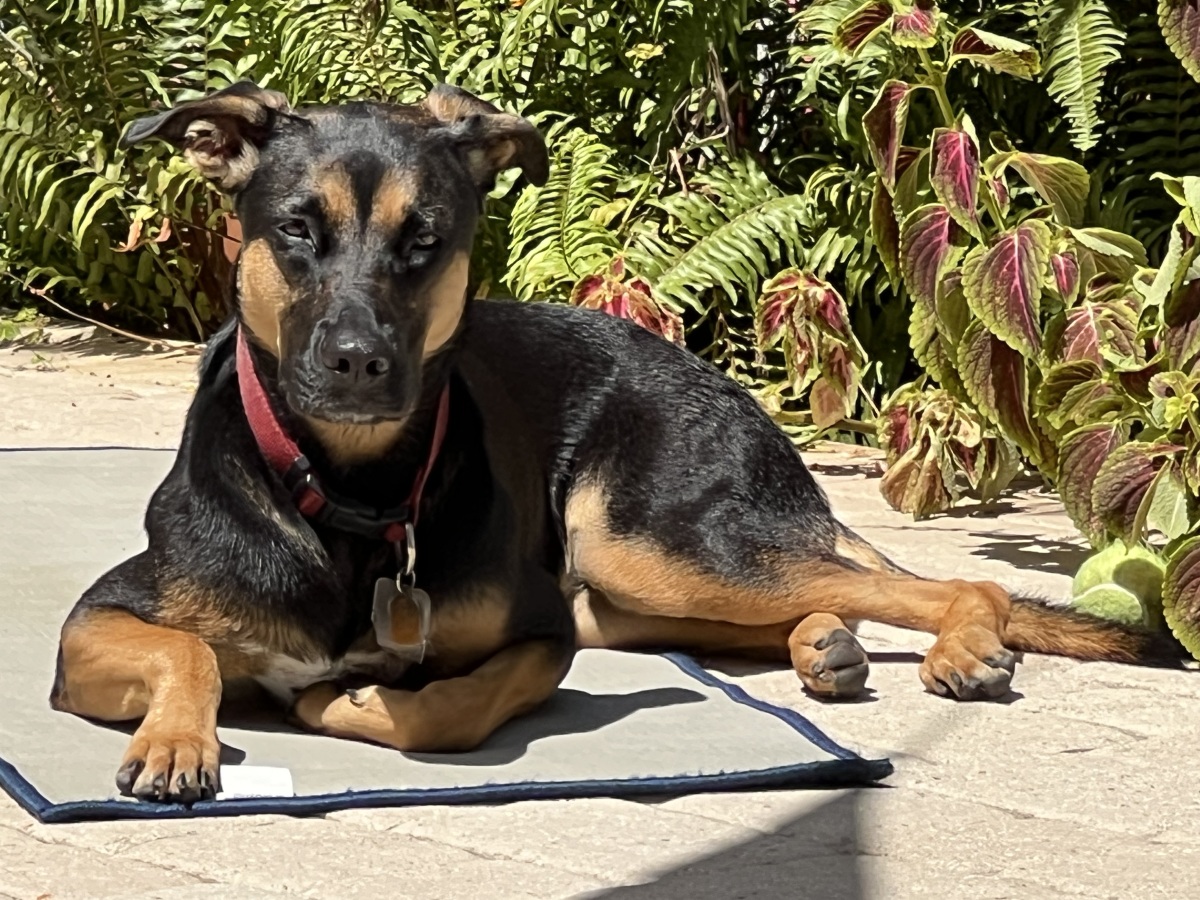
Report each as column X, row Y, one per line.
column 916, row 25
column 1180, row 24
column 1063, row 183
column 1065, row 266
column 931, row 242
column 996, row 381
column 954, row 174
column 885, row 230
column 995, row 52
column 884, row 124
column 1093, row 327
column 859, row 28
column 1181, row 595
column 1003, row 284
column 1083, row 453
column 1122, row 482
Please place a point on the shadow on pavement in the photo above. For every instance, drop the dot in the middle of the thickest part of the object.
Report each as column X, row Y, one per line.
column 814, row 855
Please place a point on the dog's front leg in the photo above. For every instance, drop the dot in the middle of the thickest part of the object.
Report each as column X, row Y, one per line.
column 116, row 667
column 452, row 715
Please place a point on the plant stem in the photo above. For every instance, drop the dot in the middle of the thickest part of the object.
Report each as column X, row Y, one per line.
column 937, row 83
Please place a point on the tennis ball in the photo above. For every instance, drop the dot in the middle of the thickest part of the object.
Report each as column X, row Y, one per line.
column 1111, row 601
column 1135, row 570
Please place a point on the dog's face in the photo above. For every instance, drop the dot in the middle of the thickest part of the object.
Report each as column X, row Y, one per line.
column 357, row 226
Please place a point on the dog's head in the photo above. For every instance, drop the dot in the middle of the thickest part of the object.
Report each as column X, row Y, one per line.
column 357, row 225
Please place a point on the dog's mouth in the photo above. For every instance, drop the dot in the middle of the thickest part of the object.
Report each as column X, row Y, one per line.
column 341, row 414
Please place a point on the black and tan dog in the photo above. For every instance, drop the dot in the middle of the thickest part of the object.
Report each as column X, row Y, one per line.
column 579, row 481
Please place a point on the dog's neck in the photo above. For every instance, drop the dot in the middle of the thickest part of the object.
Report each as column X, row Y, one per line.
column 376, row 462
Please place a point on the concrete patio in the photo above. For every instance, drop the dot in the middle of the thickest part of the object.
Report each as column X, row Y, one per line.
column 1083, row 786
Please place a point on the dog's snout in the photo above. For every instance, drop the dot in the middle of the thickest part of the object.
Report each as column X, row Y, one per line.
column 353, row 353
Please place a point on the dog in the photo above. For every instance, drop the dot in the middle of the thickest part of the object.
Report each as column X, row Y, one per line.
column 401, row 512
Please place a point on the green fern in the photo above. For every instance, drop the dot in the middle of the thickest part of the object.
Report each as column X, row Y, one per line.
column 731, row 229
column 1080, row 42
column 558, row 235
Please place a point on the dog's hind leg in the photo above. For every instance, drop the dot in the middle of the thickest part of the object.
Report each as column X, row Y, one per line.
column 116, row 667
column 449, row 715
column 760, row 582
column 825, row 654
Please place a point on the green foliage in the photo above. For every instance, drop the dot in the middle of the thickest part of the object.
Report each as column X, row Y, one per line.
column 934, row 220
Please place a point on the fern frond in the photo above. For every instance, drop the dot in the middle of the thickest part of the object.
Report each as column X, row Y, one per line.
column 1080, row 42
column 557, row 235
column 730, row 230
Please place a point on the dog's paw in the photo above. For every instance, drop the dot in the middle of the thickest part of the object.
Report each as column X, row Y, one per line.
column 170, row 765
column 969, row 664
column 829, row 659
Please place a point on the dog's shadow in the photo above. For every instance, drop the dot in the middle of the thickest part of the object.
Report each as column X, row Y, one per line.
column 567, row 712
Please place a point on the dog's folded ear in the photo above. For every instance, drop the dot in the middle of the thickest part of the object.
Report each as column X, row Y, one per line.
column 491, row 140
column 220, row 134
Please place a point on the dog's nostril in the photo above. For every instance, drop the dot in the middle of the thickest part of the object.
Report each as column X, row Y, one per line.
column 338, row 364
column 377, row 367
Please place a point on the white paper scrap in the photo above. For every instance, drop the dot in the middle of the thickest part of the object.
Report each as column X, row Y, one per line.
column 255, row 781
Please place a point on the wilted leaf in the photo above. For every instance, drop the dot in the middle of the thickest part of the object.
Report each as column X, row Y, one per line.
column 1180, row 24
column 1181, row 595
column 856, row 30
column 884, row 124
column 885, row 231
column 995, row 52
column 930, row 243
column 1122, row 482
column 1003, row 284
column 828, row 405
column 1062, row 183
column 914, row 484
column 1083, row 452
column 954, row 174
column 995, row 379
column 916, row 25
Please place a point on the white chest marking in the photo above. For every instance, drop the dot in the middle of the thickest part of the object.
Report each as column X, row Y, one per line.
column 286, row 676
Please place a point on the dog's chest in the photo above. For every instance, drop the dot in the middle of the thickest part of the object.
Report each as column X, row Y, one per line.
column 285, row 676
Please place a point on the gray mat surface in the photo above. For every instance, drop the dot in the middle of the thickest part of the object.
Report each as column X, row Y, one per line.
column 622, row 724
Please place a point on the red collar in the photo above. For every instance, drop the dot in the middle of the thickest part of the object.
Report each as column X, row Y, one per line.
column 314, row 501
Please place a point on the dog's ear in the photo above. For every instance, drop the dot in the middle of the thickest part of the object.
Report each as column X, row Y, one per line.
column 220, row 134
column 491, row 140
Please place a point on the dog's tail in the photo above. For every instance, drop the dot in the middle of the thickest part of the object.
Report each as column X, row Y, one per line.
column 1038, row 627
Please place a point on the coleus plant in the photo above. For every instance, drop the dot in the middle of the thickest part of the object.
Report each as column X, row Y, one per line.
column 1038, row 335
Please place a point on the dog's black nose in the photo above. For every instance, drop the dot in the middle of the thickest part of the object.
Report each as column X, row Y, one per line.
column 353, row 356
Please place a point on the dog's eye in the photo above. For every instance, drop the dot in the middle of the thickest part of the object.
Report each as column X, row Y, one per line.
column 296, row 228
column 425, row 241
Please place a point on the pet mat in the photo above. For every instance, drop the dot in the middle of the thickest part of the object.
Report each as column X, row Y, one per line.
column 622, row 724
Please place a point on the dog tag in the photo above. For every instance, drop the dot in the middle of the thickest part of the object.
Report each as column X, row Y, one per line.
column 401, row 617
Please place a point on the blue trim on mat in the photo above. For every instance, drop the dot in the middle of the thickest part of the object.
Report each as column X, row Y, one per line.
column 847, row 769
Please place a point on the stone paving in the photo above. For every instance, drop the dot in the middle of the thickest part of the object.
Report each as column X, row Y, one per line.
column 1082, row 786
